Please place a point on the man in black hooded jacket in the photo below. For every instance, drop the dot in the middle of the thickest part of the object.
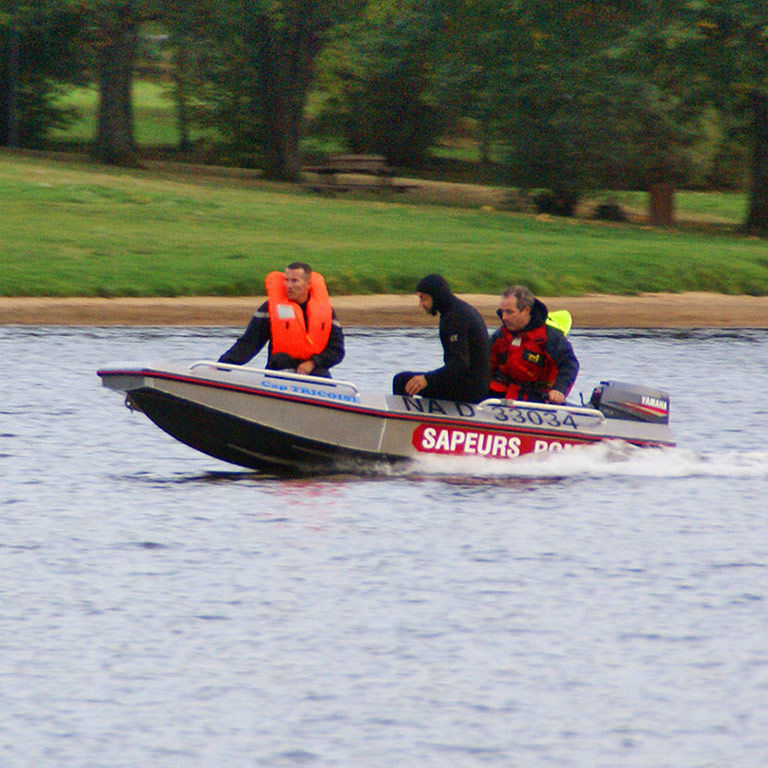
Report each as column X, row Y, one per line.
column 466, row 373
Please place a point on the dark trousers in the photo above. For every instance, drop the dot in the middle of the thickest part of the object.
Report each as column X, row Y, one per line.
column 438, row 393
column 280, row 361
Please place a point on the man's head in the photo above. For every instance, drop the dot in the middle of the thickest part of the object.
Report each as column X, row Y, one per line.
column 434, row 293
column 297, row 277
column 515, row 307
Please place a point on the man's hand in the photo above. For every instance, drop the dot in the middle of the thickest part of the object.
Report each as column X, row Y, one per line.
column 306, row 367
column 415, row 384
column 556, row 397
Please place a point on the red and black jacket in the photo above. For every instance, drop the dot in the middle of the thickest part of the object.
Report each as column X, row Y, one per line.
column 526, row 364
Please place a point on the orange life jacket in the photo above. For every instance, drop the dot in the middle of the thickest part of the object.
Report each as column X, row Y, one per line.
column 290, row 333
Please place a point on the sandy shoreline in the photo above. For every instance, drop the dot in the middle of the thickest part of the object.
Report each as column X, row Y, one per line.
column 653, row 310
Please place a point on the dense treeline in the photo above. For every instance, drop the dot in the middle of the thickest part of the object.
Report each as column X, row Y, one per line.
column 561, row 95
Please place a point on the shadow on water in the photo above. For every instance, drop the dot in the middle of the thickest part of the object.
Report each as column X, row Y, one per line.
column 586, row 464
column 224, row 478
column 211, row 477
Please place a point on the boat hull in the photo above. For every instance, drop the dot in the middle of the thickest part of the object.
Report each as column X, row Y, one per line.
column 286, row 423
column 247, row 443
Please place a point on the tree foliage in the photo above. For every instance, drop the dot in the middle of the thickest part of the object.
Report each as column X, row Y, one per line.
column 257, row 72
column 477, row 53
column 734, row 57
column 591, row 97
column 568, row 95
column 41, row 52
column 380, row 81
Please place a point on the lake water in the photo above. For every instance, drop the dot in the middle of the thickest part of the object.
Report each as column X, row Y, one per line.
column 601, row 607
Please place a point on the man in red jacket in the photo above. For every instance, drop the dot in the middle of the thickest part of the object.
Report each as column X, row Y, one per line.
column 530, row 359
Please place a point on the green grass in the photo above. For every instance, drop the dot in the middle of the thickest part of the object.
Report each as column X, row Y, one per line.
column 154, row 115
column 721, row 207
column 71, row 229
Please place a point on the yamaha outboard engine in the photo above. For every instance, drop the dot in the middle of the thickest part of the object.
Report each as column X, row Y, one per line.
column 619, row 400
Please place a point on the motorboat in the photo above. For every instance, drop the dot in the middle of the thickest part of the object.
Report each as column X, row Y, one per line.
column 286, row 423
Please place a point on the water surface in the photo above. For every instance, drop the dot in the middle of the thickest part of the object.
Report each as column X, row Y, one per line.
column 599, row 607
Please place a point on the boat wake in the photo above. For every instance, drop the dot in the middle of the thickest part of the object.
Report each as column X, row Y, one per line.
column 606, row 459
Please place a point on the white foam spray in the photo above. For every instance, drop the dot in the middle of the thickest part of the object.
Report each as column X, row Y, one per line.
column 606, row 459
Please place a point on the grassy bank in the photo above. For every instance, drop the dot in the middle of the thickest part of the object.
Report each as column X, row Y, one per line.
column 72, row 229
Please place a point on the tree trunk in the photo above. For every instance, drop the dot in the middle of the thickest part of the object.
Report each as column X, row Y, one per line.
column 484, row 135
column 181, row 94
column 757, row 218
column 114, row 136
column 286, row 73
column 661, row 199
column 9, row 132
column 282, row 129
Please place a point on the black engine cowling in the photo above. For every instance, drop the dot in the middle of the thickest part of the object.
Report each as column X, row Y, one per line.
column 619, row 400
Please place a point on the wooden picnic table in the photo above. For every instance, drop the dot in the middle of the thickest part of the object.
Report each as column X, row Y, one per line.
column 349, row 166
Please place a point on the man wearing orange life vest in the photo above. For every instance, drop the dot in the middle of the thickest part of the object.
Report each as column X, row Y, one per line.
column 298, row 322
column 530, row 359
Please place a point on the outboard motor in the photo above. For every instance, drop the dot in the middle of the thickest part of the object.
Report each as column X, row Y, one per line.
column 619, row 400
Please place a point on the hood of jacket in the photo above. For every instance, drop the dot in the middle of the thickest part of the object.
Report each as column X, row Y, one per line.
column 539, row 314
column 436, row 287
